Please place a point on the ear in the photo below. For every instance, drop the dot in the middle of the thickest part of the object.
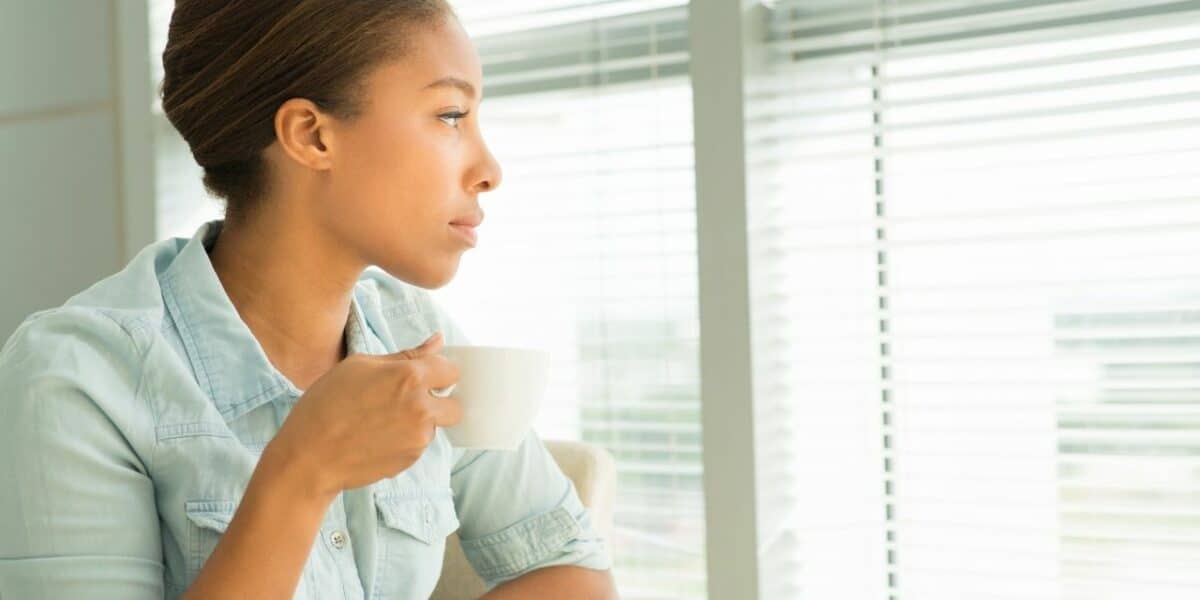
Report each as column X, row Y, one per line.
column 305, row 133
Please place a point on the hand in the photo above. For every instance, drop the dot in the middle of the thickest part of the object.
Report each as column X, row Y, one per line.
column 368, row 418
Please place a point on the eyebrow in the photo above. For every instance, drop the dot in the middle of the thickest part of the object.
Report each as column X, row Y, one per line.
column 454, row 82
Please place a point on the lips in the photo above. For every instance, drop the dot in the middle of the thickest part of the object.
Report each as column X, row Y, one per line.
column 465, row 227
column 471, row 220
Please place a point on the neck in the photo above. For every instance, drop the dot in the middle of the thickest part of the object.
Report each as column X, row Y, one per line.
column 291, row 284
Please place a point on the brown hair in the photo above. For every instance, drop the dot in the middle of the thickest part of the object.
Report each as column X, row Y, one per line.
column 229, row 65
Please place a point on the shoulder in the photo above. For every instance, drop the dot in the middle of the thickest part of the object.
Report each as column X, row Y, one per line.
column 97, row 337
column 71, row 349
column 72, row 373
column 79, row 367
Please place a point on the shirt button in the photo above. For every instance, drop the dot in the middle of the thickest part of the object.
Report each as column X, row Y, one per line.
column 428, row 518
column 338, row 539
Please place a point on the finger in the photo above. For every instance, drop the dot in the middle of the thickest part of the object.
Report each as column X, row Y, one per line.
column 437, row 371
column 446, row 411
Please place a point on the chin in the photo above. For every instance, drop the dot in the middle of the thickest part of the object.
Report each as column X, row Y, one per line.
column 438, row 282
column 429, row 278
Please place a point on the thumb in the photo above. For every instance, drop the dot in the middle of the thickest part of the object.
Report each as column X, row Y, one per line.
column 429, row 346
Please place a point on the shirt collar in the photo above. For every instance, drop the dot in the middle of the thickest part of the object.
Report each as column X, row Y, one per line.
column 229, row 363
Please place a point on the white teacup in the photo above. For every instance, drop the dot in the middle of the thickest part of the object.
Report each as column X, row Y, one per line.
column 500, row 389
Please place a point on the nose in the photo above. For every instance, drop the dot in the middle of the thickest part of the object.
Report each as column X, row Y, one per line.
column 488, row 173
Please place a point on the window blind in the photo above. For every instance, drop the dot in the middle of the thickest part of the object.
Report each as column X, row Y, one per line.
column 589, row 252
column 573, row 45
column 975, row 236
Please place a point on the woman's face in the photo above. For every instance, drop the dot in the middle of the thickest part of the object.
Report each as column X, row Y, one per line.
column 414, row 161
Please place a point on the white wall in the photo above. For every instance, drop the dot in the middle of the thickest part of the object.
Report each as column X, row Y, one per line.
column 76, row 166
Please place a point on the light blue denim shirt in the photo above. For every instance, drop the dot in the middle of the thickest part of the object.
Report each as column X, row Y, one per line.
column 132, row 417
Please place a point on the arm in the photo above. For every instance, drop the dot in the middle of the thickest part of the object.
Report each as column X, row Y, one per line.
column 519, row 514
column 77, row 512
column 572, row 583
column 262, row 554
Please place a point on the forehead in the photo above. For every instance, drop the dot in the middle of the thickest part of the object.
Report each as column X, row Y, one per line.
column 442, row 52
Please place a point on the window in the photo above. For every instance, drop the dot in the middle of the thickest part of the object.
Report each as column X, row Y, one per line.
column 976, row 235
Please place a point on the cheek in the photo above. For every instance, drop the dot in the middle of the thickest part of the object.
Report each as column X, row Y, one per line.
column 376, row 167
column 401, row 157
column 395, row 188
column 379, row 152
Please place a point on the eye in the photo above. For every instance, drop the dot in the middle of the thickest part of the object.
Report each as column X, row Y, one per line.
column 453, row 115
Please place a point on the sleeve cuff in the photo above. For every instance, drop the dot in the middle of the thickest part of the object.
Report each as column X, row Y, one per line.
column 551, row 538
column 98, row 577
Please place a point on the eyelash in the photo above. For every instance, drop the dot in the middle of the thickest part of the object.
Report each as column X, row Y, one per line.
column 454, row 115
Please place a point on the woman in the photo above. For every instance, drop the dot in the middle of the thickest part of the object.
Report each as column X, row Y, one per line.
column 236, row 415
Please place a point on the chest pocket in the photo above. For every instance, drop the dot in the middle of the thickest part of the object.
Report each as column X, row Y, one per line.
column 413, row 525
column 207, row 522
column 424, row 514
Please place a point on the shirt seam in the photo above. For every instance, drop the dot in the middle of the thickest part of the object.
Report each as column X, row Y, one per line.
column 142, row 354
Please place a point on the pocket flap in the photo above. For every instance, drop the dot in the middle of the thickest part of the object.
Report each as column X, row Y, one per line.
column 210, row 514
column 427, row 515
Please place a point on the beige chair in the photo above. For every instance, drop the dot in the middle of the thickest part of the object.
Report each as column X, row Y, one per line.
column 594, row 474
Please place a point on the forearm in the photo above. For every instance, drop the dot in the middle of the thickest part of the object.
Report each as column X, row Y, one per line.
column 576, row 583
column 262, row 553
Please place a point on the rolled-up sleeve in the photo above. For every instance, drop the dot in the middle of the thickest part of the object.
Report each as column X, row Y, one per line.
column 77, row 509
column 518, row 511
